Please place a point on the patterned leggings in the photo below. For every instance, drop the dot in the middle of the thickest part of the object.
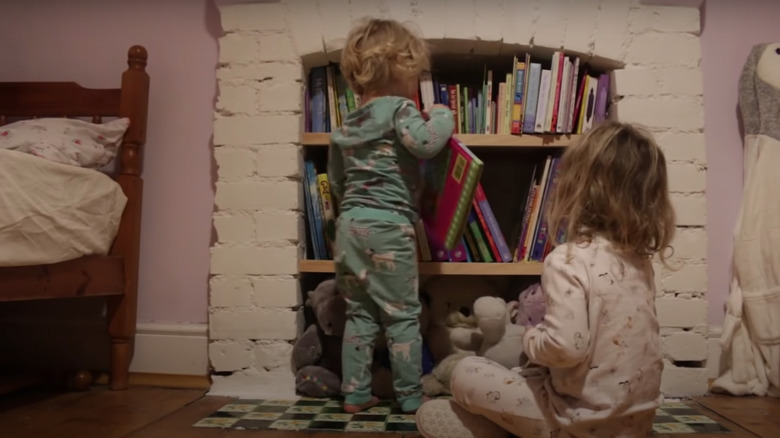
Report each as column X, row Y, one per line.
column 376, row 269
column 486, row 388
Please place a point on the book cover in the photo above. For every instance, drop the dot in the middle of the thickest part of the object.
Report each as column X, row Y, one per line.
column 341, row 93
column 562, row 113
column 573, row 95
column 555, row 91
column 537, row 252
column 446, row 218
column 333, row 115
column 459, row 253
column 589, row 103
column 312, row 250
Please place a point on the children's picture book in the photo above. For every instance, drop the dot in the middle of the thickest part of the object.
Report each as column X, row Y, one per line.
column 451, row 179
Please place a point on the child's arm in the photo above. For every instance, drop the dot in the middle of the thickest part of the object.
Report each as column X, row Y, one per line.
column 424, row 139
column 336, row 173
column 562, row 339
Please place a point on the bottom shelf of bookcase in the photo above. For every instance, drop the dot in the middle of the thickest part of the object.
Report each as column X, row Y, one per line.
column 433, row 268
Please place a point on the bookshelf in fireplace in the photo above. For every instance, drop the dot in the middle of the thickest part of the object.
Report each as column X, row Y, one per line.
column 516, row 113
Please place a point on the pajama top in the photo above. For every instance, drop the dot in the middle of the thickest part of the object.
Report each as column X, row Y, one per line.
column 373, row 159
column 600, row 337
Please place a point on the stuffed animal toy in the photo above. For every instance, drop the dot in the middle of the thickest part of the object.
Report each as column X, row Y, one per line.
column 530, row 307
column 316, row 354
column 497, row 339
column 451, row 301
column 452, row 324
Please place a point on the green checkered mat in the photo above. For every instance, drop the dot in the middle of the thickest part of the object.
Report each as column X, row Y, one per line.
column 308, row 414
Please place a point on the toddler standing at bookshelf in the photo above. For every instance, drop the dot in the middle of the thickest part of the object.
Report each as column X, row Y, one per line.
column 595, row 359
column 373, row 168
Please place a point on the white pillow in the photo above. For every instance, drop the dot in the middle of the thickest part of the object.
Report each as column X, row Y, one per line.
column 66, row 141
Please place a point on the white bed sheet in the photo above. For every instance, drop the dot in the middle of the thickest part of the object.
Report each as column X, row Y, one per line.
column 52, row 212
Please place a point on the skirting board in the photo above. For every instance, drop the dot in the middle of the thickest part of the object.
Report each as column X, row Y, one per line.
column 171, row 349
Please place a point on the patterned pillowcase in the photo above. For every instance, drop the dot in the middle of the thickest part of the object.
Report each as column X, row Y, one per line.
column 67, row 141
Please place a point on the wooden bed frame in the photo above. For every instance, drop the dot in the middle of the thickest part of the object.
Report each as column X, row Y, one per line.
column 114, row 276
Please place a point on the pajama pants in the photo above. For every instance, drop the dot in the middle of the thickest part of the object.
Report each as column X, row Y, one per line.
column 376, row 269
column 486, row 388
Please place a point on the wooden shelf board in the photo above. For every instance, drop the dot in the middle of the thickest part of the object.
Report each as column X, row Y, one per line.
column 475, row 140
column 431, row 268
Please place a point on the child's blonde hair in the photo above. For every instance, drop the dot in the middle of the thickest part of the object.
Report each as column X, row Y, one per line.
column 613, row 183
column 380, row 53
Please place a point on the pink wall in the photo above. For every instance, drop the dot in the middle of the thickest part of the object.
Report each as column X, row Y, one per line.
column 87, row 41
column 730, row 31
column 89, row 45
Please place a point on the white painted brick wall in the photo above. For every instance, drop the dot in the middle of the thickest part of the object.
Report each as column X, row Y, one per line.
column 257, row 195
column 685, row 346
column 276, row 291
column 683, row 381
column 268, row 129
column 279, row 160
column 252, row 260
column 634, row 82
column 255, row 293
column 234, row 228
column 270, row 355
column 267, row 324
column 681, row 313
column 234, row 164
column 229, row 356
column 686, row 177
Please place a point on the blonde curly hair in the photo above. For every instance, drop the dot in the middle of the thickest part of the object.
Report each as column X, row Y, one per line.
column 381, row 56
column 613, row 183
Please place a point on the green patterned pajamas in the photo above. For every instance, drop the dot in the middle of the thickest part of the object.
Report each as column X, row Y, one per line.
column 376, row 266
column 374, row 173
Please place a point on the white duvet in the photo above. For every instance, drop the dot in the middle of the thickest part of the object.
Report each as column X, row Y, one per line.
column 52, row 212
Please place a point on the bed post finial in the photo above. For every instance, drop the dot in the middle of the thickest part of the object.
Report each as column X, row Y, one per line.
column 136, row 57
column 134, row 105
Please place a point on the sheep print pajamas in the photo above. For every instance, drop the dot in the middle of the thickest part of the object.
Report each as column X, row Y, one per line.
column 374, row 172
column 598, row 353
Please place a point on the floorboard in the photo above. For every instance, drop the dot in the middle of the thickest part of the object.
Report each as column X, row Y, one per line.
column 145, row 412
column 96, row 413
column 759, row 415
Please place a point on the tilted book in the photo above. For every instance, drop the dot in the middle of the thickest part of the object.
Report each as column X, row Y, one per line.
column 451, row 194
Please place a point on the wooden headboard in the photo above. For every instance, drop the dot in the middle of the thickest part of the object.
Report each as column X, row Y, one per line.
column 69, row 99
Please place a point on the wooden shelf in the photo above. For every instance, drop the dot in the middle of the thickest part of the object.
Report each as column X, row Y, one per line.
column 430, row 268
column 475, row 140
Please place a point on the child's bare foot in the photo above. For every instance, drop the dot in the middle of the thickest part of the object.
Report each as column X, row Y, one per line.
column 354, row 409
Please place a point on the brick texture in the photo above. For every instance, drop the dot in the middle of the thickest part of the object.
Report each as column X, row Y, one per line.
column 265, row 50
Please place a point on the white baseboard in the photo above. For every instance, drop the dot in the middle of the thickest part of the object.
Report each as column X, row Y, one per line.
column 171, row 349
column 714, row 352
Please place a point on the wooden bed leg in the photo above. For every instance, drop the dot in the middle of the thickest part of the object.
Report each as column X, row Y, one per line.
column 121, row 328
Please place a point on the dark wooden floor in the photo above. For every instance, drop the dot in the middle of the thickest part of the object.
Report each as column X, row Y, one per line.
column 169, row 413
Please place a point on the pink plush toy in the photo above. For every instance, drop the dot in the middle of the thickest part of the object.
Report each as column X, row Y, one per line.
column 530, row 307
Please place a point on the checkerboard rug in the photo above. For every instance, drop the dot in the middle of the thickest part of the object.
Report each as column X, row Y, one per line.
column 307, row 414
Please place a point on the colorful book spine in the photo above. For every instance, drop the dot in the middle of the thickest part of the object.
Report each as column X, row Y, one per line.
column 541, row 107
column 491, row 243
column 601, row 99
column 333, row 115
column 517, row 108
column 479, row 239
column 534, row 79
column 538, row 250
column 459, row 253
column 319, row 100
column 328, row 211
column 503, row 249
column 318, row 234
